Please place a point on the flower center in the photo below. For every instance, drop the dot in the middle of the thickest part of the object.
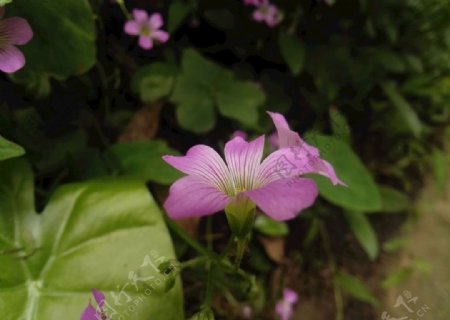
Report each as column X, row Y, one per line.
column 146, row 31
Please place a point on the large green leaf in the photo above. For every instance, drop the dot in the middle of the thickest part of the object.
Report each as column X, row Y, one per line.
column 364, row 233
column 393, row 199
column 64, row 38
column 143, row 159
column 9, row 149
column 361, row 193
column 3, row 2
column 91, row 235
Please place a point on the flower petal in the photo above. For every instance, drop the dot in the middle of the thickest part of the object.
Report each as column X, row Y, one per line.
column 258, row 16
column 160, row 35
column 284, row 199
column 15, row 30
column 192, row 197
column 284, row 310
column 99, row 297
column 145, row 42
column 156, row 21
column 290, row 295
column 287, row 137
column 293, row 162
column 11, row 59
column 132, row 28
column 89, row 313
column 140, row 16
column 243, row 159
column 205, row 163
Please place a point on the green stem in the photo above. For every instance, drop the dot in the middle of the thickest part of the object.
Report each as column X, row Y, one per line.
column 337, row 291
column 194, row 262
column 241, row 245
column 209, row 285
column 186, row 238
column 124, row 9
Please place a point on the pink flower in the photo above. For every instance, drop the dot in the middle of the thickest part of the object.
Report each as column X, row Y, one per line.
column 253, row 2
column 13, row 31
column 147, row 28
column 273, row 185
column 285, row 307
column 90, row 313
column 267, row 12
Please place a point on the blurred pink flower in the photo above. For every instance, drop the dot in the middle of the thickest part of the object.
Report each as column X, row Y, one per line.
column 239, row 133
column 285, row 307
column 13, row 31
column 91, row 313
column 253, row 2
column 274, row 184
column 267, row 12
column 147, row 28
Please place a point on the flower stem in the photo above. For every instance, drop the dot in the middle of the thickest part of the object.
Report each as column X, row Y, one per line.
column 332, row 263
column 124, row 9
column 241, row 245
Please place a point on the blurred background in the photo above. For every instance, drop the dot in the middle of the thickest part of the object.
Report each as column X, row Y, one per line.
column 367, row 82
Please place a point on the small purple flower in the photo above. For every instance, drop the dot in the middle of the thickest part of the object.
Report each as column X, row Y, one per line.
column 147, row 28
column 285, row 307
column 267, row 12
column 13, row 31
column 212, row 184
column 91, row 313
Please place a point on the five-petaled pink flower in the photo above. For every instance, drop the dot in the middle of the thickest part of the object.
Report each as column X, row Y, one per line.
column 91, row 313
column 265, row 12
column 13, row 31
column 147, row 28
column 274, row 185
column 285, row 307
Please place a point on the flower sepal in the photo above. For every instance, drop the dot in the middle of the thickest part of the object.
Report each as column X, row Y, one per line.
column 240, row 214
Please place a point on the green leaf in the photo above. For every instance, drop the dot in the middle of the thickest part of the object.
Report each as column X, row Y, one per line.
column 354, row 287
column 154, row 81
column 395, row 244
column 393, row 200
column 240, row 101
column 404, row 109
column 9, row 149
column 340, row 126
column 292, row 50
column 64, row 38
column 3, row 2
column 361, row 193
column 178, row 11
column 195, row 105
column 364, row 233
column 270, row 227
column 143, row 159
column 397, row 277
column 90, row 235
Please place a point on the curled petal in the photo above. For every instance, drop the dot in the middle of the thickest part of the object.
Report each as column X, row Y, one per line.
column 160, row 35
column 15, row 30
column 89, row 313
column 293, row 162
column 132, row 28
column 284, row 199
column 155, row 21
column 287, row 137
column 145, row 42
column 140, row 16
column 205, row 163
column 243, row 159
column 99, row 297
column 11, row 59
column 192, row 197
